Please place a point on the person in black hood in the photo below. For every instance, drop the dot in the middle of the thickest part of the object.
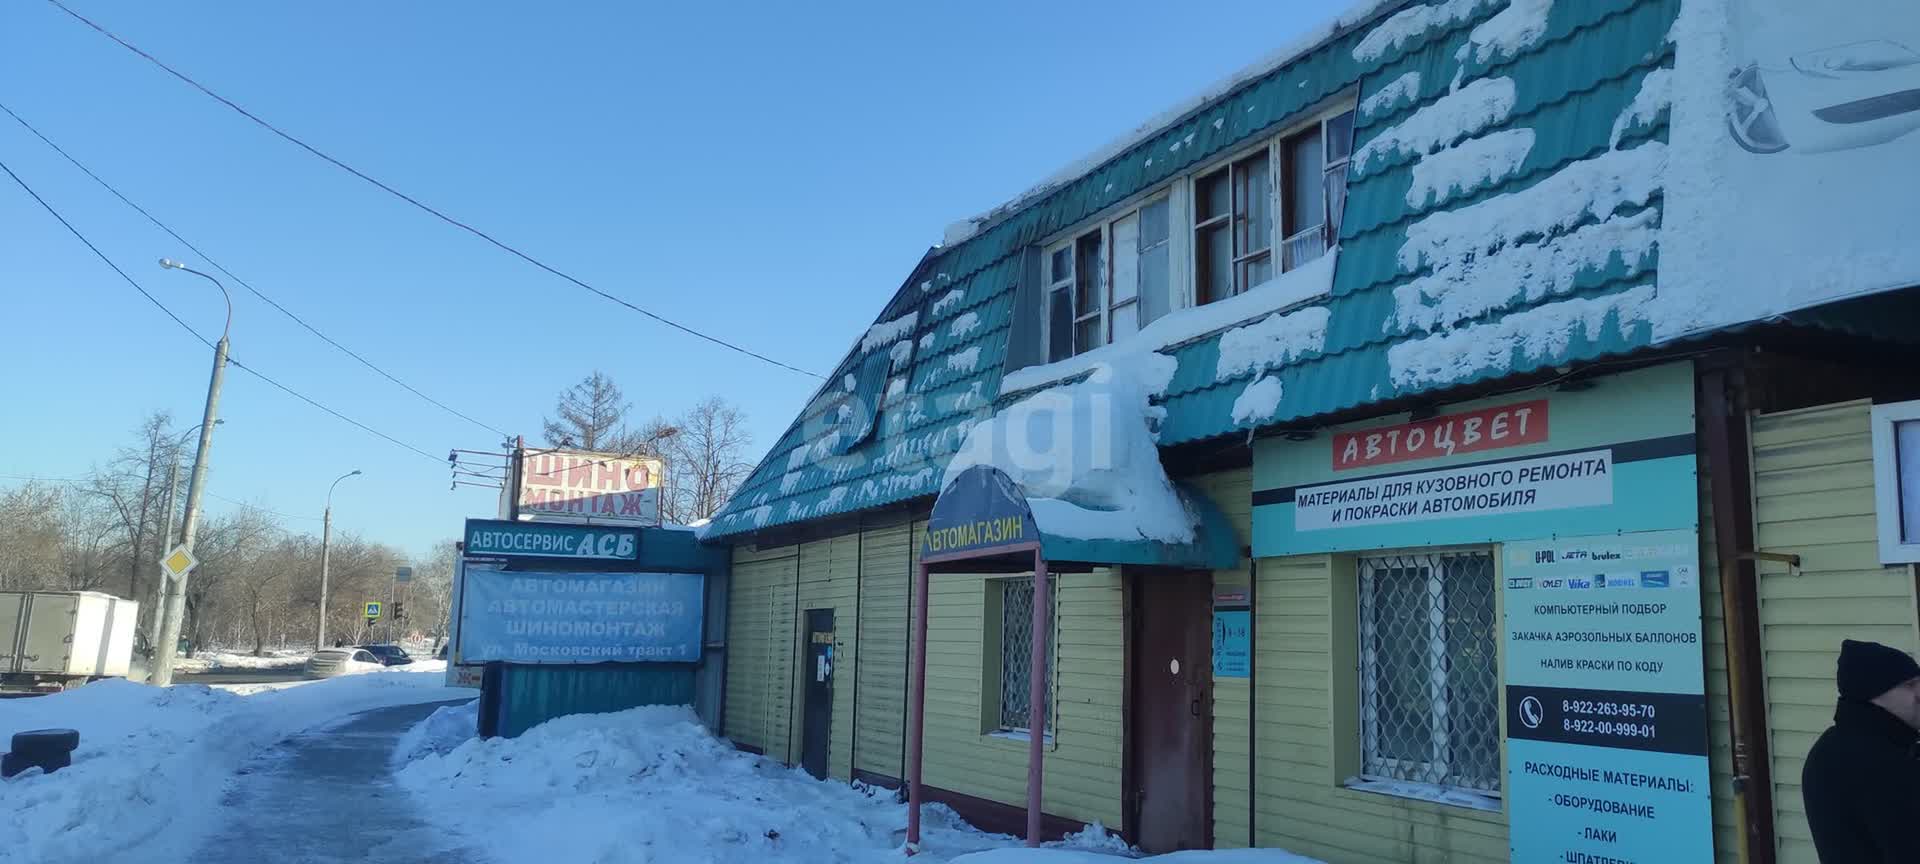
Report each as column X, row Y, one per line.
column 1861, row 782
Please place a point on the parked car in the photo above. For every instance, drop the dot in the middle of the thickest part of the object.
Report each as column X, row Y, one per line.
column 389, row 655
column 329, row 662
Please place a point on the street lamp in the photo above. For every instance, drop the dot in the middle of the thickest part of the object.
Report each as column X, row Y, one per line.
column 326, row 540
column 176, row 605
column 166, row 539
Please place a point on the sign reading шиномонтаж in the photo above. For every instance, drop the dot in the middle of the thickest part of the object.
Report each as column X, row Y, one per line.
column 1606, row 704
column 548, row 540
column 1583, row 479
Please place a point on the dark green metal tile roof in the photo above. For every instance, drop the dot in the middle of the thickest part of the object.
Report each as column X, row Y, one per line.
column 1570, row 85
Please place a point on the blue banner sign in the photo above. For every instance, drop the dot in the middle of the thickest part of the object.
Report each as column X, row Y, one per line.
column 547, row 540
column 1606, row 704
column 1232, row 654
column 982, row 512
column 524, row 617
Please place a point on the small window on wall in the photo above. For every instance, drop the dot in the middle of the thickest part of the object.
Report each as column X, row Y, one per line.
column 1233, row 228
column 1429, row 681
column 1016, row 656
column 1896, row 480
column 1315, row 186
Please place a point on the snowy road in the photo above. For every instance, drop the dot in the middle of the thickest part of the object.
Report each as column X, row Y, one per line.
column 327, row 796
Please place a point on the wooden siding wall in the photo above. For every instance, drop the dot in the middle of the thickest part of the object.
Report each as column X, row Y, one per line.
column 1232, row 491
column 760, row 649
column 888, row 557
column 1813, row 491
column 1298, row 803
column 1083, row 767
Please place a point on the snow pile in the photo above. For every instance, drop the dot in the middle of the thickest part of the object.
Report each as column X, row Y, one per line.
column 948, row 301
column 1086, row 454
column 887, row 332
column 209, row 660
column 446, row 728
column 1413, row 23
column 964, row 361
column 1392, row 95
column 1258, row 401
column 650, row 784
column 1524, row 271
column 153, row 761
column 1503, row 35
column 1468, row 109
column 1303, row 283
column 1467, row 166
column 963, row 324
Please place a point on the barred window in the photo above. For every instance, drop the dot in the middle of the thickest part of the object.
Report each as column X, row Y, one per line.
column 1016, row 654
column 1429, row 682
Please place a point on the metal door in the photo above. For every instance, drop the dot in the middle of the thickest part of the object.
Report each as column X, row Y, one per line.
column 816, row 725
column 1172, row 708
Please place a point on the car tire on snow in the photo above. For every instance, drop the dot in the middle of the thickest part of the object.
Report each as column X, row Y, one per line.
column 47, row 749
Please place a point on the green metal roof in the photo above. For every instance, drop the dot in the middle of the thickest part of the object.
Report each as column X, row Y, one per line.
column 1571, row 84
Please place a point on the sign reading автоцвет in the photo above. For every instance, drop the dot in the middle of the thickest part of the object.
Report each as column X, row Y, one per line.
column 548, row 540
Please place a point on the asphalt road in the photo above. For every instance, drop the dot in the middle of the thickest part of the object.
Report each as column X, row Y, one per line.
column 241, row 676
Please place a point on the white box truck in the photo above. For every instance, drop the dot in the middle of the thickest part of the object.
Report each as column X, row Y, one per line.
column 51, row 640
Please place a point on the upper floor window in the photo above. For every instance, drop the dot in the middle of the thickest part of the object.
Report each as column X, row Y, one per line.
column 1245, row 220
column 1110, row 281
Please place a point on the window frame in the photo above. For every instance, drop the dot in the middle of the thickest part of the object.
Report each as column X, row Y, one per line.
column 1440, row 733
column 1183, row 289
column 1069, row 243
column 1051, row 710
column 1889, row 503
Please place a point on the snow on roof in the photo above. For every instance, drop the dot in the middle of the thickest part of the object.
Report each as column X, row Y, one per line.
column 1257, row 402
column 1303, row 283
column 1508, row 31
column 1540, row 333
column 1272, row 341
column 1087, row 455
column 1465, row 111
column 1468, row 165
column 889, row 331
column 1309, row 39
column 1411, row 23
column 1392, row 95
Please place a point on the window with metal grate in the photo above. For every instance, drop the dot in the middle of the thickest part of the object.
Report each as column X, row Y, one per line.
column 1429, row 670
column 1016, row 654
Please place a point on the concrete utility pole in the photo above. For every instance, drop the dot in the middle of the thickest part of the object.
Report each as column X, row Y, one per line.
column 166, row 539
column 176, row 606
column 326, row 561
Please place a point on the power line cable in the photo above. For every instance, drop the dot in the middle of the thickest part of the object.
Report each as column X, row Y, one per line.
column 415, row 201
column 196, row 334
column 242, row 282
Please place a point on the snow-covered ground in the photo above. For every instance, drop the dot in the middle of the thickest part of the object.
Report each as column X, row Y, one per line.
column 651, row 784
column 210, row 660
column 153, row 758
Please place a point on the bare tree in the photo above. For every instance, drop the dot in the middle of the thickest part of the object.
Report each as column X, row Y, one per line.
column 706, row 459
column 590, row 415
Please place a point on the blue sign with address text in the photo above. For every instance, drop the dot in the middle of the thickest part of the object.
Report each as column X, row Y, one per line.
column 533, row 617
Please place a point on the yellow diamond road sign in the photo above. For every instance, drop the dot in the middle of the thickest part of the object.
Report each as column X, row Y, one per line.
column 178, row 562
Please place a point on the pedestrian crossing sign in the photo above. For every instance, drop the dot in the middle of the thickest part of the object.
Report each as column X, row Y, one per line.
column 373, row 610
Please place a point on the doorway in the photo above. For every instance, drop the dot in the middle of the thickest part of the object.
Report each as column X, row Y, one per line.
column 816, row 723
column 1170, row 726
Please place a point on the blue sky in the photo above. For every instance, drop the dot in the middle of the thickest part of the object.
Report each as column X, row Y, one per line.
column 767, row 172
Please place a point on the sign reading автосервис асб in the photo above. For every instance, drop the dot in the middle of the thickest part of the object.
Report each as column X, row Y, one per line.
column 547, row 540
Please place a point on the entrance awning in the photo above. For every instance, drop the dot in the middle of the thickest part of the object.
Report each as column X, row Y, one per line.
column 1074, row 534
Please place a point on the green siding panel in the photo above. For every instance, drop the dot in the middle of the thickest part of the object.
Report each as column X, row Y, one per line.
column 531, row 695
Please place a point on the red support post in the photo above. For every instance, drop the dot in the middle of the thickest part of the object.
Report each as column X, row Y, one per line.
column 1037, row 697
column 917, row 710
